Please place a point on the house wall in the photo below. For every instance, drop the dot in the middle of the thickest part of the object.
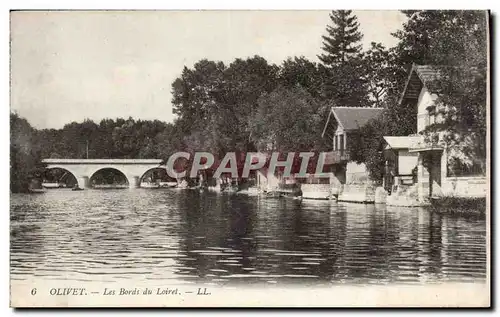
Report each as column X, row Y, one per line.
column 267, row 180
column 356, row 173
column 406, row 162
column 425, row 100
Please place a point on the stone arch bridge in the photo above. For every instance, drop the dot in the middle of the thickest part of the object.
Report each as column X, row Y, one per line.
column 84, row 169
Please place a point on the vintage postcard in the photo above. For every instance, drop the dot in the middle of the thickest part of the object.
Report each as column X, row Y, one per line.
column 250, row 158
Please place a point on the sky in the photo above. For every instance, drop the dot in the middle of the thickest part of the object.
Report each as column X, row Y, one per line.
column 71, row 65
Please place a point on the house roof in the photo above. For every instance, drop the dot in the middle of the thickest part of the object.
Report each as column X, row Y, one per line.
column 428, row 73
column 420, row 76
column 352, row 118
column 401, row 142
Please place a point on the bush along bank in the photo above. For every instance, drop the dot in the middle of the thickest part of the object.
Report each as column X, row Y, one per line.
column 459, row 205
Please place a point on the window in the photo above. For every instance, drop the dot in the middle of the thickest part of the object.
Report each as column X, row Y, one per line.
column 431, row 113
column 341, row 143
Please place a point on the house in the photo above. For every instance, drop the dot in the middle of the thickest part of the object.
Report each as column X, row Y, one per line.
column 400, row 164
column 433, row 175
column 348, row 180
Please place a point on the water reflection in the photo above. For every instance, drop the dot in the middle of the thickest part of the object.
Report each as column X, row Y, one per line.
column 184, row 236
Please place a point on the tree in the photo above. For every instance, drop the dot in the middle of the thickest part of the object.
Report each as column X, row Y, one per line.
column 247, row 80
column 342, row 67
column 300, row 72
column 24, row 154
column 343, row 39
column 195, row 93
column 288, row 119
column 367, row 144
column 380, row 72
column 214, row 103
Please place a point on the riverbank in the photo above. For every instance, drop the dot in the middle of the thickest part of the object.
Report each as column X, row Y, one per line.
column 459, row 205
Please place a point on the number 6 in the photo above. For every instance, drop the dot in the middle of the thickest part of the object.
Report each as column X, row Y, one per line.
column 33, row 291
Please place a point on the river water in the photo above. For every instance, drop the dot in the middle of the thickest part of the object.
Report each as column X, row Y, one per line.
column 183, row 236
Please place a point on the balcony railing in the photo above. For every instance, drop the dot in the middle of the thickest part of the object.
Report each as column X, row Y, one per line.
column 423, row 146
column 336, row 157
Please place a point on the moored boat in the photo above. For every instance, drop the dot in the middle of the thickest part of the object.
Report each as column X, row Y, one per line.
column 110, row 186
column 168, row 184
column 53, row 185
column 273, row 194
column 37, row 190
column 149, row 185
column 183, row 185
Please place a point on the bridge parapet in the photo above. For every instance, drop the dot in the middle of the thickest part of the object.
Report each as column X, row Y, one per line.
column 102, row 161
column 84, row 169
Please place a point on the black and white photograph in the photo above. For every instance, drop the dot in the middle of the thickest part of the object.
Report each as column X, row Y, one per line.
column 250, row 158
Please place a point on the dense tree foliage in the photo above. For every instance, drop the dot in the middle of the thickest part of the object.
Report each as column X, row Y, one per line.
column 214, row 102
column 379, row 72
column 300, row 72
column 24, row 154
column 120, row 138
column 288, row 120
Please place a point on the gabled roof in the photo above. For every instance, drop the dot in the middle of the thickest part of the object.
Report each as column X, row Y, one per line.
column 401, row 142
column 428, row 76
column 352, row 118
column 422, row 76
column 428, row 73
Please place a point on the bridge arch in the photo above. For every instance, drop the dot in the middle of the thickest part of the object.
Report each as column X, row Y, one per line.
column 53, row 179
column 108, row 177
column 158, row 172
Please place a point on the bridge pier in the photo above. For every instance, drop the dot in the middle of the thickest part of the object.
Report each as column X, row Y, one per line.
column 133, row 181
column 83, row 181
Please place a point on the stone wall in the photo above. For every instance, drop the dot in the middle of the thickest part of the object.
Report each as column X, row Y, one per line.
column 316, row 191
column 464, row 187
column 407, row 196
column 361, row 193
